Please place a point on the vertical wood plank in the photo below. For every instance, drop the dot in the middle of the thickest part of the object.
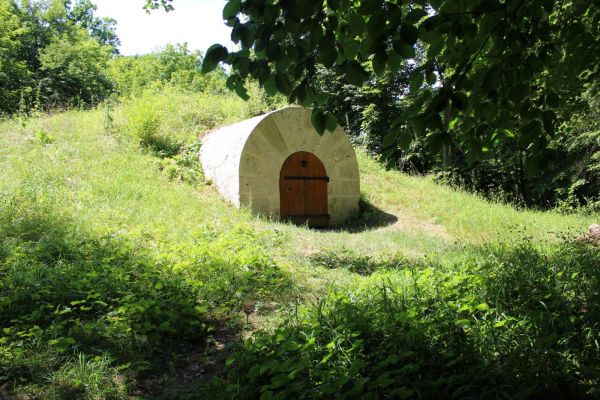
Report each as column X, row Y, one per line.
column 303, row 199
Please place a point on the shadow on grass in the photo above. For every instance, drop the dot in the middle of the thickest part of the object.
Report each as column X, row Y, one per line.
column 362, row 264
column 65, row 294
column 368, row 217
column 516, row 322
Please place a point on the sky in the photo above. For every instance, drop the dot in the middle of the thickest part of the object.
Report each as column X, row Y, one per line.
column 197, row 22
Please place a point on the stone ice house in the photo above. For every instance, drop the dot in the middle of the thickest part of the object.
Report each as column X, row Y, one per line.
column 279, row 166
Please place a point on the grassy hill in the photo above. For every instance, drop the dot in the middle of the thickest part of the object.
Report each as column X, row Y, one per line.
column 124, row 275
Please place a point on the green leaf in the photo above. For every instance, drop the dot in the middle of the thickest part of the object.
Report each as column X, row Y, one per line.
column 482, row 307
column 266, row 395
column 241, row 91
column 354, row 73
column 415, row 15
column 330, row 122
column 318, row 120
column 327, row 357
column 403, row 49
column 508, row 133
column 453, row 123
column 231, row 82
column 379, row 62
column 389, row 138
column 375, row 24
column 435, row 48
column 270, row 86
column 350, row 49
column 431, row 78
column 322, row 98
column 404, row 139
column 214, row 55
column 231, row 9
column 416, row 80
column 327, row 51
column 500, row 324
column 417, row 124
column 409, row 34
column 283, row 83
column 394, row 61
column 246, row 35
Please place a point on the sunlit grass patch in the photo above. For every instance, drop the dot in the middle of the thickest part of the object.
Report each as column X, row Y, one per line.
column 115, row 248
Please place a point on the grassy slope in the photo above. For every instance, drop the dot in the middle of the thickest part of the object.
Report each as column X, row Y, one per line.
column 106, row 185
column 418, row 217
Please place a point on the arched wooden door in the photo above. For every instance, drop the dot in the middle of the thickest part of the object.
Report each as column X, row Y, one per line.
column 303, row 190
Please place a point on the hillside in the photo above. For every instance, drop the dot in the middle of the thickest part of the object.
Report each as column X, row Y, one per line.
column 116, row 261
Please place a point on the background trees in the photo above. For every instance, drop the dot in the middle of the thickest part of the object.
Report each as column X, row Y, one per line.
column 484, row 68
column 174, row 65
column 53, row 53
column 14, row 71
column 494, row 96
column 489, row 92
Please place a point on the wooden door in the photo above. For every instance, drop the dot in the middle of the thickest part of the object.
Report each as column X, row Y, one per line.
column 303, row 190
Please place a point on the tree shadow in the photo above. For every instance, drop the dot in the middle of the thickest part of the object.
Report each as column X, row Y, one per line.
column 513, row 323
column 66, row 292
column 369, row 217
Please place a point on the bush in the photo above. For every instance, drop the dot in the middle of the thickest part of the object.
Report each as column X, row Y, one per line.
column 518, row 323
column 122, row 303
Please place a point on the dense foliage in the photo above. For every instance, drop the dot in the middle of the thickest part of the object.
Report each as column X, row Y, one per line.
column 175, row 65
column 567, row 177
column 517, row 324
column 94, row 298
column 53, row 54
column 485, row 70
column 122, row 274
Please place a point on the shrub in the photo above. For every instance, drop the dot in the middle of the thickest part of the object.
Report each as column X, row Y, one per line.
column 120, row 299
column 518, row 323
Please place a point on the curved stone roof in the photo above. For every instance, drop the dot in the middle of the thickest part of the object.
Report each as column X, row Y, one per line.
column 244, row 161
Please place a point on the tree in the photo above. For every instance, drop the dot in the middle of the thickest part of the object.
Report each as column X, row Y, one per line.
column 488, row 68
column 102, row 29
column 74, row 69
column 367, row 111
column 52, row 53
column 174, row 65
column 14, row 72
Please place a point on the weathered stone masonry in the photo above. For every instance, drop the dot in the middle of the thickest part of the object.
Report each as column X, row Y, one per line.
column 244, row 161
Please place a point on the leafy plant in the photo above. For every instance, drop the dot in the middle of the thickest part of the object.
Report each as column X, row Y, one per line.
column 516, row 323
column 85, row 378
column 43, row 137
column 476, row 68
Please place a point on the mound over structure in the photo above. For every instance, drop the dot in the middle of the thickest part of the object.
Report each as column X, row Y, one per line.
column 278, row 165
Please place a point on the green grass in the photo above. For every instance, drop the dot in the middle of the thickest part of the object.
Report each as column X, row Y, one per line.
column 117, row 260
column 434, row 219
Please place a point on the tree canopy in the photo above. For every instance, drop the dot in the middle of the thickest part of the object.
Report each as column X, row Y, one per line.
column 53, row 53
column 484, row 69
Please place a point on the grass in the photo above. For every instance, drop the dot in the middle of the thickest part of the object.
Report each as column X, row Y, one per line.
column 434, row 219
column 122, row 274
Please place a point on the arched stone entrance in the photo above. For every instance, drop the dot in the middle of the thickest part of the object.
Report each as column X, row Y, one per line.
column 303, row 190
column 244, row 161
